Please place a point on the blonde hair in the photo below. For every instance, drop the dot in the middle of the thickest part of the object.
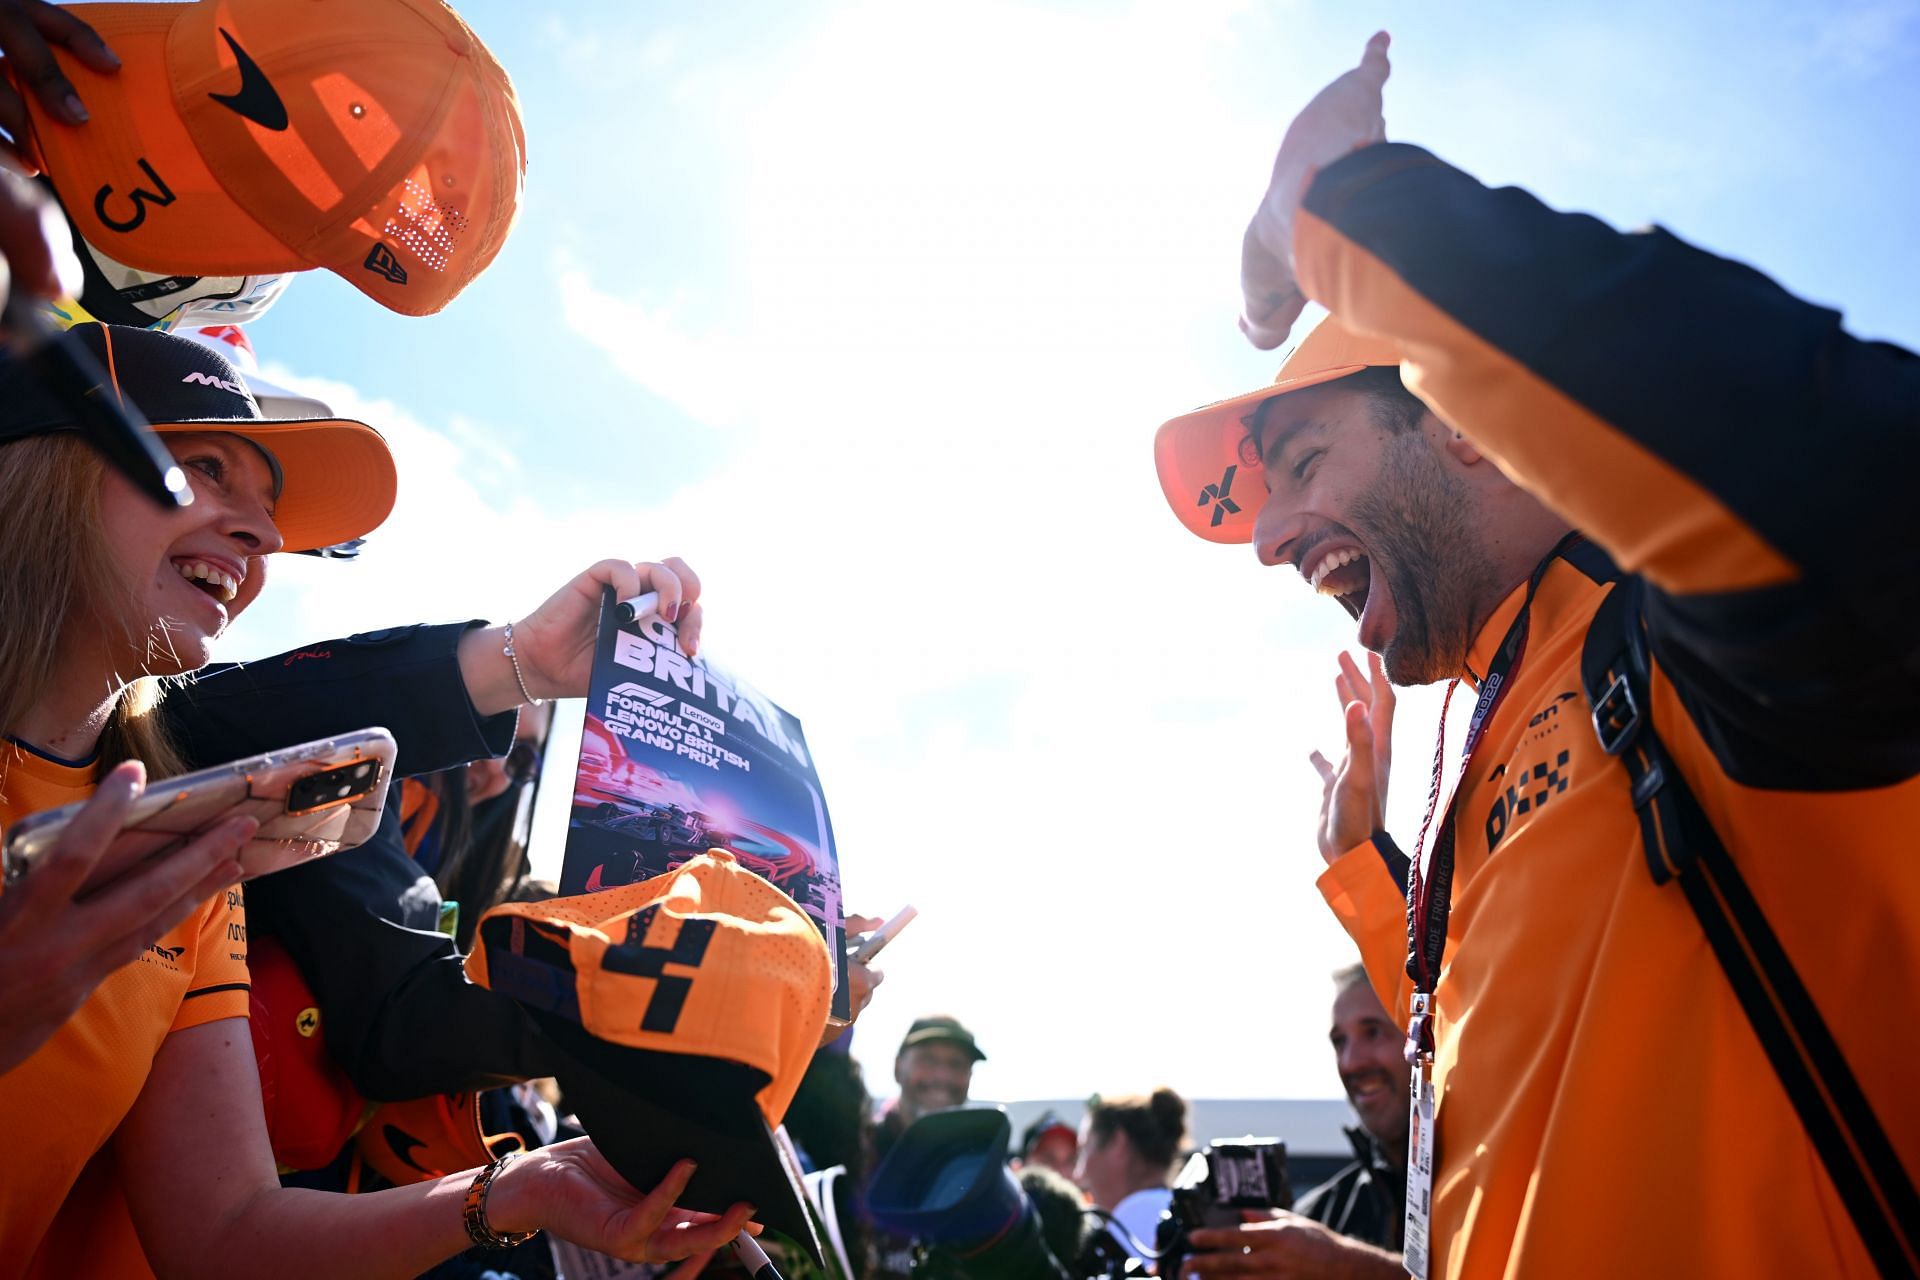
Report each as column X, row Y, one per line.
column 57, row 580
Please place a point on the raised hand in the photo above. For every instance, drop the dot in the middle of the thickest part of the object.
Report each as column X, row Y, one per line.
column 1353, row 799
column 1343, row 117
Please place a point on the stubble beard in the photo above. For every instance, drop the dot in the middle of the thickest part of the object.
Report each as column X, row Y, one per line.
column 1419, row 521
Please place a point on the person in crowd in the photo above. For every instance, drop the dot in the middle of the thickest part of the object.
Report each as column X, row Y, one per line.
column 1049, row 1142
column 934, row 1069
column 1348, row 1227
column 142, row 1072
column 1678, row 854
column 1128, row 1149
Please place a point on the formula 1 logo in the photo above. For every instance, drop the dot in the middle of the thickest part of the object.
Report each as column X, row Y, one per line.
column 1223, row 506
column 381, row 262
column 640, row 693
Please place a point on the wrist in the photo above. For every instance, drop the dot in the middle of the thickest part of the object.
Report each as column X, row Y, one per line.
column 513, row 1197
column 488, row 673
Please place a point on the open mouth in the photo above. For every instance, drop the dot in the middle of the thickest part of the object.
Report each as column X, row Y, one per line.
column 1346, row 574
column 1374, row 1087
column 213, row 579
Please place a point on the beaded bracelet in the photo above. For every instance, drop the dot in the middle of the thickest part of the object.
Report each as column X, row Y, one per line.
column 518, row 677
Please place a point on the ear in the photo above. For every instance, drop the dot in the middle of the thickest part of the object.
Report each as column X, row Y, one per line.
column 1462, row 449
column 899, row 1070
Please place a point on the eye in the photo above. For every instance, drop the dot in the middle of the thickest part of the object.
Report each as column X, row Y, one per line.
column 212, row 467
column 1306, row 461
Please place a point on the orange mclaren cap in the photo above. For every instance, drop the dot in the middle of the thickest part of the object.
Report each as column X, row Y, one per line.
column 686, row 1009
column 376, row 138
column 1204, row 470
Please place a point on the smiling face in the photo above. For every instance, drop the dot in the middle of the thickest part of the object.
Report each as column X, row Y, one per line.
column 932, row 1076
column 189, row 572
column 1371, row 1054
column 1377, row 514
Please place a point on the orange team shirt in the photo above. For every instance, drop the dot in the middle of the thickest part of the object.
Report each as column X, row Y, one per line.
column 64, row 1103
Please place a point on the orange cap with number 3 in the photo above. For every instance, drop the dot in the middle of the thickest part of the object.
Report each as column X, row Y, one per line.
column 378, row 139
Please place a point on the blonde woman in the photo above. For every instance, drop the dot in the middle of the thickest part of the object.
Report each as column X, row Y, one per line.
column 137, row 1080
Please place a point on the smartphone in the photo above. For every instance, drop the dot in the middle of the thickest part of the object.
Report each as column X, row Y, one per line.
column 311, row 800
column 875, row 942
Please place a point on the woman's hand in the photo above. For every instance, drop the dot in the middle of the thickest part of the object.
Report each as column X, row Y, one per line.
column 554, row 643
column 571, row 1190
column 1343, row 117
column 1353, row 800
column 55, row 951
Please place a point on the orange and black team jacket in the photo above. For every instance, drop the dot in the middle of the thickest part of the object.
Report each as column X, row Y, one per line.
column 1604, row 1106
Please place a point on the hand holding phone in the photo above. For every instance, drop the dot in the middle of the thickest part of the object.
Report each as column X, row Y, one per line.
column 875, row 942
column 306, row 801
column 55, row 949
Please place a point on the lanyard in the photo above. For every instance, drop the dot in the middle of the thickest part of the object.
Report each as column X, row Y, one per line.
column 1430, row 895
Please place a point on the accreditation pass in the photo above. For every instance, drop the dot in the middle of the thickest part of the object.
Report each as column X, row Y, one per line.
column 1419, row 1171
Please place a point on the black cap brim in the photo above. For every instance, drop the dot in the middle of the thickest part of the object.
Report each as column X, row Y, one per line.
column 646, row 1111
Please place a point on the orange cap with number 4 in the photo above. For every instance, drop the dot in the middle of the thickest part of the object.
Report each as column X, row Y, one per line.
column 378, row 139
column 686, row 1008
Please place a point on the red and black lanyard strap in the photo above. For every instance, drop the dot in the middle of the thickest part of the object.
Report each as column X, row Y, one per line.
column 1430, row 891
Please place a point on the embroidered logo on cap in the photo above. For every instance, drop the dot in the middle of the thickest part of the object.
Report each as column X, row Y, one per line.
column 208, row 380
column 381, row 262
column 256, row 98
column 1223, row 506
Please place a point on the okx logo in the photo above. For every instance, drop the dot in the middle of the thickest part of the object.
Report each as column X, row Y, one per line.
column 381, row 262
column 670, row 989
column 1223, row 506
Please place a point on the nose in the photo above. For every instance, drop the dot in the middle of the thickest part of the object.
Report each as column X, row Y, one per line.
column 1275, row 529
column 249, row 523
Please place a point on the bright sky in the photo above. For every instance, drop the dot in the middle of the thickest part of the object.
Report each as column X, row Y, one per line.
column 870, row 310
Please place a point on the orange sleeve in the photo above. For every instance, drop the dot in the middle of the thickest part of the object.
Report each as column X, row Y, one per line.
column 220, row 987
column 1372, row 907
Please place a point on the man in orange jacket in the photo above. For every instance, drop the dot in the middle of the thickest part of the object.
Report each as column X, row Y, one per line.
column 1668, row 841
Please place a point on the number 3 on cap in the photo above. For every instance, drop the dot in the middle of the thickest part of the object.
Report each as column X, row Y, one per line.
column 140, row 196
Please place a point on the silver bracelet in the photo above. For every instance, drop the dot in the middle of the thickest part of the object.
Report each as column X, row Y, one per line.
column 519, row 678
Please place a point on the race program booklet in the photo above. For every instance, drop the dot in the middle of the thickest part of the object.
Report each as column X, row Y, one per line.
column 678, row 757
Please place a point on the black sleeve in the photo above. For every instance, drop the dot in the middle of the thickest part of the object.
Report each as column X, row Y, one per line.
column 401, row 1016
column 405, row 680
column 1727, row 441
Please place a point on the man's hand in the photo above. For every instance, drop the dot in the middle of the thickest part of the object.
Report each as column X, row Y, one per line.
column 1353, row 799
column 1343, row 117
column 1291, row 1246
column 29, row 30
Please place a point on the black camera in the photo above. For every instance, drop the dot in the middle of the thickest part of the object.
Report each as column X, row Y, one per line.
column 1214, row 1186
column 946, row 1184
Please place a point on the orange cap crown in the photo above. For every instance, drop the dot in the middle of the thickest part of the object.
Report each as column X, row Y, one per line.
column 376, row 138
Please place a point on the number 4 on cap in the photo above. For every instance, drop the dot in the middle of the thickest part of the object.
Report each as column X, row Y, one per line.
column 670, row 990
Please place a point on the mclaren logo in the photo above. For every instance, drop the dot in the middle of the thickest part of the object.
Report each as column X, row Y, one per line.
column 208, row 380
column 1223, row 506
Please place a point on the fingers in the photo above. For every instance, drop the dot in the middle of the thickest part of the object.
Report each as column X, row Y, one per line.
column 864, row 924
column 1322, row 767
column 1374, row 66
column 34, row 67
column 1359, row 739
column 62, row 27
column 58, row 875
column 144, row 904
column 681, row 1240
column 692, row 619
